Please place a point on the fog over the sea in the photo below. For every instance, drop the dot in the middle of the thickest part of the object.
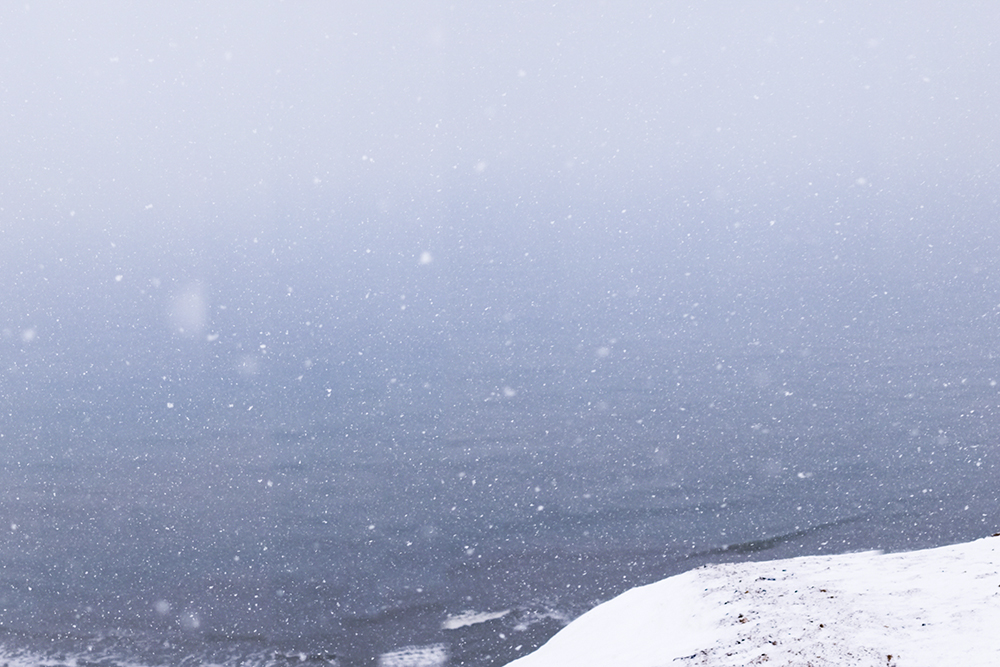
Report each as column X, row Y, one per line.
column 180, row 176
column 403, row 332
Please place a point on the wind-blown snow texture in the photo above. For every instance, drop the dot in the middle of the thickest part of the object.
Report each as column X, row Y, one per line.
column 933, row 607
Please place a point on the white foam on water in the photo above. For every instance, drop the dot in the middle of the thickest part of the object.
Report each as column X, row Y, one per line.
column 24, row 657
column 432, row 655
column 467, row 618
column 531, row 618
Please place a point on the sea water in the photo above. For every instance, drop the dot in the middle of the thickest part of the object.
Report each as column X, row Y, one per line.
column 458, row 503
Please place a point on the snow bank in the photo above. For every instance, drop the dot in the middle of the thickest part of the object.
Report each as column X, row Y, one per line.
column 933, row 607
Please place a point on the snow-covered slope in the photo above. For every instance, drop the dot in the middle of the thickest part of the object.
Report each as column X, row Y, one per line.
column 928, row 608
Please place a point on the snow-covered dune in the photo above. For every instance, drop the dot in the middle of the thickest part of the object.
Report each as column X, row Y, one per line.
column 933, row 607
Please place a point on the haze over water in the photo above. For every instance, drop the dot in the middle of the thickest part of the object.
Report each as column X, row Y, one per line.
column 320, row 326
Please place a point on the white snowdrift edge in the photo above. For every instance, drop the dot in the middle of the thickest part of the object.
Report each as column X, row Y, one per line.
column 922, row 608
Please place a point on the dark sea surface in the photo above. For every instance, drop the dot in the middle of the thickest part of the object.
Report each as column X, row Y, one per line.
column 354, row 488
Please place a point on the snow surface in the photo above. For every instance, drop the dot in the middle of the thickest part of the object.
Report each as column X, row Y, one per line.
column 933, row 607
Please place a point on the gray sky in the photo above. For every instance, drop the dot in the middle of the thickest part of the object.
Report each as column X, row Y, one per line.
column 271, row 178
column 221, row 111
column 259, row 146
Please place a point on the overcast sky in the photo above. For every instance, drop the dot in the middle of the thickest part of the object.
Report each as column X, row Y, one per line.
column 262, row 145
column 210, row 111
column 197, row 196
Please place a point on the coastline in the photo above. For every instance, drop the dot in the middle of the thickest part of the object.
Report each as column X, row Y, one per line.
column 930, row 607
